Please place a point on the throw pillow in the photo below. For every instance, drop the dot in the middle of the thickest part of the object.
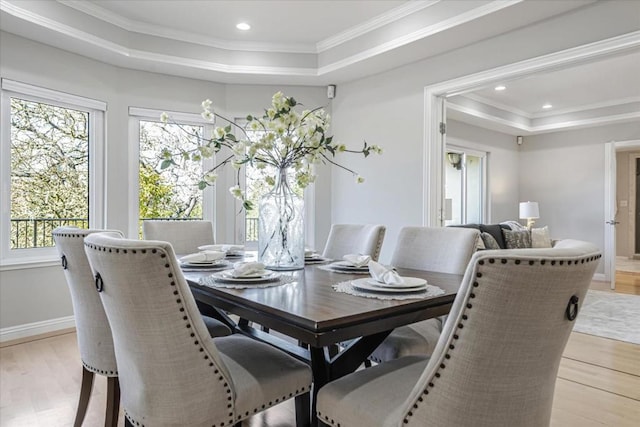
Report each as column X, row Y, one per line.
column 489, row 241
column 517, row 239
column 540, row 237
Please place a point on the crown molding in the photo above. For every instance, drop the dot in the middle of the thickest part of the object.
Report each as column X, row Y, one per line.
column 587, row 107
column 418, row 35
column 550, row 127
column 497, row 105
column 391, row 16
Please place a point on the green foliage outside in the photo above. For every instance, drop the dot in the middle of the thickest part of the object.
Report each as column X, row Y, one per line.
column 49, row 171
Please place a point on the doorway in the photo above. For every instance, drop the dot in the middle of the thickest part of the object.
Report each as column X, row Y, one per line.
column 621, row 210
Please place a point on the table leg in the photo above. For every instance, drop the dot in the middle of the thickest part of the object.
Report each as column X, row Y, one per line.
column 320, row 371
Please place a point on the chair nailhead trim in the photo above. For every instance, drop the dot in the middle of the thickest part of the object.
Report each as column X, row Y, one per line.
column 465, row 317
column 100, row 371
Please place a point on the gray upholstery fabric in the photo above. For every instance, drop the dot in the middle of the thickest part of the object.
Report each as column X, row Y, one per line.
column 92, row 327
column 171, row 372
column 446, row 250
column 346, row 239
column 520, row 239
column 489, row 241
column 215, row 327
column 497, row 358
column 375, row 403
column 184, row 236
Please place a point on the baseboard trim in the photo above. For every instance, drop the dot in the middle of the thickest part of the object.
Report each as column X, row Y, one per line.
column 30, row 330
column 600, row 277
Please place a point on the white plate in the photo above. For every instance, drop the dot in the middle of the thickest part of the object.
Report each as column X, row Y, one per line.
column 345, row 265
column 262, row 274
column 312, row 256
column 409, row 282
column 216, row 263
column 227, row 276
column 363, row 284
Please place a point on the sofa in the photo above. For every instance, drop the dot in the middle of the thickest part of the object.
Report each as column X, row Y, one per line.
column 510, row 235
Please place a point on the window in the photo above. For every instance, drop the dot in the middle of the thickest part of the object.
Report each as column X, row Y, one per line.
column 50, row 175
column 464, row 186
column 170, row 193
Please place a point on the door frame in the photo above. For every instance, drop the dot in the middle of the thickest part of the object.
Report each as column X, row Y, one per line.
column 610, row 183
column 433, row 202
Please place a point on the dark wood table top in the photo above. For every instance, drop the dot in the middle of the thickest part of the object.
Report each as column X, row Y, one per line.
column 310, row 310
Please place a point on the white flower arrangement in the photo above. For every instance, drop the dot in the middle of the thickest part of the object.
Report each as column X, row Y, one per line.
column 282, row 138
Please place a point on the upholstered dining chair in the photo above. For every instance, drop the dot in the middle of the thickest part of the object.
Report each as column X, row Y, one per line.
column 184, row 236
column 93, row 331
column 94, row 334
column 497, row 359
column 440, row 249
column 363, row 239
column 172, row 373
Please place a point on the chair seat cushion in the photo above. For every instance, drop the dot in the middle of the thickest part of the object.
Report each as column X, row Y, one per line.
column 216, row 328
column 261, row 381
column 375, row 395
column 416, row 339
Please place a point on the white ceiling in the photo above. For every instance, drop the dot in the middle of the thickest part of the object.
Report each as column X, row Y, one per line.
column 312, row 42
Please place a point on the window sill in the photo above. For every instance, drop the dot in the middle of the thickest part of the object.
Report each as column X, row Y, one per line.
column 28, row 263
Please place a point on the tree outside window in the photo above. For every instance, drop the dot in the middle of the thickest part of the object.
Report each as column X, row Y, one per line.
column 49, row 171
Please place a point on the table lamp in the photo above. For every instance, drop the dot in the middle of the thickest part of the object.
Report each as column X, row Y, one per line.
column 530, row 212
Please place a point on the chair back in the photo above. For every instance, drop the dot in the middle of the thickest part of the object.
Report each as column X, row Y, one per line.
column 185, row 236
column 497, row 358
column 92, row 327
column 171, row 372
column 441, row 249
column 346, row 239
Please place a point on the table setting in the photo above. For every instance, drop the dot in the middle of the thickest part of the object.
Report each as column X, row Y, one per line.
column 244, row 275
column 384, row 282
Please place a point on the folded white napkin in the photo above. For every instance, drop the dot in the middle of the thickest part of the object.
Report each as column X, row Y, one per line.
column 383, row 274
column 222, row 248
column 241, row 269
column 309, row 252
column 357, row 260
column 203, row 256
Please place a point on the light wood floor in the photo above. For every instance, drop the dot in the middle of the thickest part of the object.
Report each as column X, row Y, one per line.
column 598, row 385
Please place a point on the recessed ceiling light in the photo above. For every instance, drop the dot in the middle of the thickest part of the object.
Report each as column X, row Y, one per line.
column 547, row 106
column 243, row 26
column 499, row 88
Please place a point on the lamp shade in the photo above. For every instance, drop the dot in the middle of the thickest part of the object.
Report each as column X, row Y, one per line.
column 529, row 210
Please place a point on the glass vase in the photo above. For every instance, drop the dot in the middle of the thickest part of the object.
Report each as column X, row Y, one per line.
column 281, row 226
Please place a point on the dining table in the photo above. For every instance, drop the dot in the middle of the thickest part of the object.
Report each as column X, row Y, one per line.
column 318, row 319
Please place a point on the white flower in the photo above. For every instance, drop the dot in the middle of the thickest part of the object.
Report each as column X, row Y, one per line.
column 208, row 115
column 359, row 179
column 210, row 177
column 376, row 149
column 164, row 118
column 206, row 104
column 219, row 132
column 236, row 192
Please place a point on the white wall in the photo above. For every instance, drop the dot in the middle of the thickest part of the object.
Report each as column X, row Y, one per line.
column 388, row 109
column 37, row 294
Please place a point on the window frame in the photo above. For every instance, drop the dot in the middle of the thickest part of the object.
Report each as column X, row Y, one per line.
column 464, row 150
column 137, row 114
column 31, row 257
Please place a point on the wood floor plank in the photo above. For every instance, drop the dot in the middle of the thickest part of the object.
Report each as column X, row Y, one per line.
column 607, row 353
column 580, row 406
column 602, row 378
